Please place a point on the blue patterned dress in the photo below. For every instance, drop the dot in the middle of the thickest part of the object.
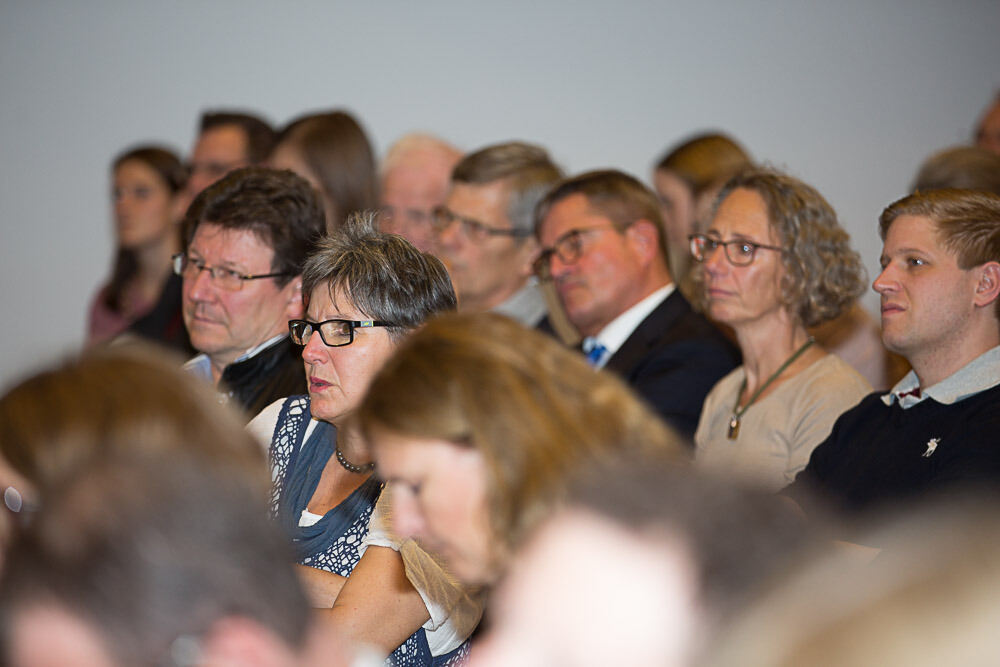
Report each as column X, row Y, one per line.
column 331, row 544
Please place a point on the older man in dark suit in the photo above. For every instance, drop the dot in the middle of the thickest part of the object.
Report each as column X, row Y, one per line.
column 604, row 248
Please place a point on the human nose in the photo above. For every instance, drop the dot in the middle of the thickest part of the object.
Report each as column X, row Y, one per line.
column 885, row 281
column 200, row 286
column 314, row 349
column 450, row 234
column 715, row 259
column 407, row 519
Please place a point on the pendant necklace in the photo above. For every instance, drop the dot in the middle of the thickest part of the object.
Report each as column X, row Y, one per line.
column 734, row 421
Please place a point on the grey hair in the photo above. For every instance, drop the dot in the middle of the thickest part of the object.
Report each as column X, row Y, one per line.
column 383, row 275
column 527, row 169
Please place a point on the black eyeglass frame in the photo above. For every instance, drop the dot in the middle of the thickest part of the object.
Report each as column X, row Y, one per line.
column 698, row 243
column 299, row 338
column 442, row 218
column 542, row 266
column 181, row 261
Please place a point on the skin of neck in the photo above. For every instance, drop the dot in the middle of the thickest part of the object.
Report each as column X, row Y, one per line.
column 767, row 344
column 934, row 365
column 352, row 444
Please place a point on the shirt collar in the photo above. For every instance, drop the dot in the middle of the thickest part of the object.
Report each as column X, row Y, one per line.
column 527, row 305
column 201, row 365
column 978, row 375
column 614, row 335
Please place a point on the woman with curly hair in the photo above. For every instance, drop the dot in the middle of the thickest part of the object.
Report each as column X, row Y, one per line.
column 774, row 262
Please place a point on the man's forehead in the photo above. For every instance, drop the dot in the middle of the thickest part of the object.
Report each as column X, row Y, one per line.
column 230, row 243
column 223, row 141
column 571, row 212
column 914, row 231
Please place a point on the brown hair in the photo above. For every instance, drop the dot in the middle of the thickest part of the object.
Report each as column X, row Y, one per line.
column 963, row 167
column 534, row 409
column 111, row 402
column 704, row 160
column 336, row 149
column 614, row 194
column 823, row 274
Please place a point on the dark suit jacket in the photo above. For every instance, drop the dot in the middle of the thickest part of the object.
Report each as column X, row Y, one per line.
column 672, row 359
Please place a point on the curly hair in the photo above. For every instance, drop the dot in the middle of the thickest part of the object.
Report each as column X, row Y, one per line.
column 823, row 274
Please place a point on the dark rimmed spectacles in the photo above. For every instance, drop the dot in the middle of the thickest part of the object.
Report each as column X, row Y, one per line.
column 227, row 279
column 568, row 248
column 443, row 218
column 333, row 333
column 739, row 252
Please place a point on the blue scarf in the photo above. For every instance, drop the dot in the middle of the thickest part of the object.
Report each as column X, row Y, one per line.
column 305, row 467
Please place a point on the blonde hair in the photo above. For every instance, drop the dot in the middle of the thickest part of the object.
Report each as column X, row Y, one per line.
column 534, row 409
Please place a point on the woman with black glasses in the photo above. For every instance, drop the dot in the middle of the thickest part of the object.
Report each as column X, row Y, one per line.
column 364, row 291
column 774, row 261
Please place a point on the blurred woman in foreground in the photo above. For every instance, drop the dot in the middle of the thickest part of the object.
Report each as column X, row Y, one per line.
column 477, row 425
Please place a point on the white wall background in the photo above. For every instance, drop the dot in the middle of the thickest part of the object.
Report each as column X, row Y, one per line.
column 850, row 96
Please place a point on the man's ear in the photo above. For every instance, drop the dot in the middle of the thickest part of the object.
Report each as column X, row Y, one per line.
column 988, row 287
column 644, row 239
column 294, row 307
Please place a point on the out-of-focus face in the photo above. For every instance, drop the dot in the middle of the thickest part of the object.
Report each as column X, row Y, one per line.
column 677, row 205
column 439, row 498
column 742, row 295
column 409, row 195
column 45, row 635
column 218, row 151
column 604, row 281
column 988, row 136
column 927, row 300
column 226, row 324
column 287, row 156
column 142, row 206
column 558, row 603
column 488, row 271
column 339, row 376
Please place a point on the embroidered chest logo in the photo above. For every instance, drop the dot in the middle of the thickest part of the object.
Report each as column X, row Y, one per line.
column 931, row 447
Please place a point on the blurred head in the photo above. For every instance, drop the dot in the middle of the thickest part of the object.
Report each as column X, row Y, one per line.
column 988, row 130
column 253, row 222
column 332, row 152
column 484, row 228
column 687, row 551
column 940, row 265
column 927, row 599
column 682, row 177
column 602, row 244
column 152, row 558
column 962, row 167
column 415, row 175
column 361, row 274
column 809, row 273
column 477, row 424
column 111, row 402
column 226, row 140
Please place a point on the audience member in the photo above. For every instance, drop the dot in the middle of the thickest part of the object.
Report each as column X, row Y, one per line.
column 226, row 140
column 332, row 152
column 154, row 559
column 937, row 427
column 963, row 167
column 605, row 250
column 415, row 175
column 774, row 261
column 365, row 291
column 248, row 237
column 658, row 557
column 146, row 182
column 477, row 424
column 689, row 173
column 988, row 129
column 484, row 229
column 928, row 599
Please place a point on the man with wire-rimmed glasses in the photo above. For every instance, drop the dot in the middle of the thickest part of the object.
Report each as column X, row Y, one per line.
column 604, row 249
column 484, row 230
column 248, row 236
